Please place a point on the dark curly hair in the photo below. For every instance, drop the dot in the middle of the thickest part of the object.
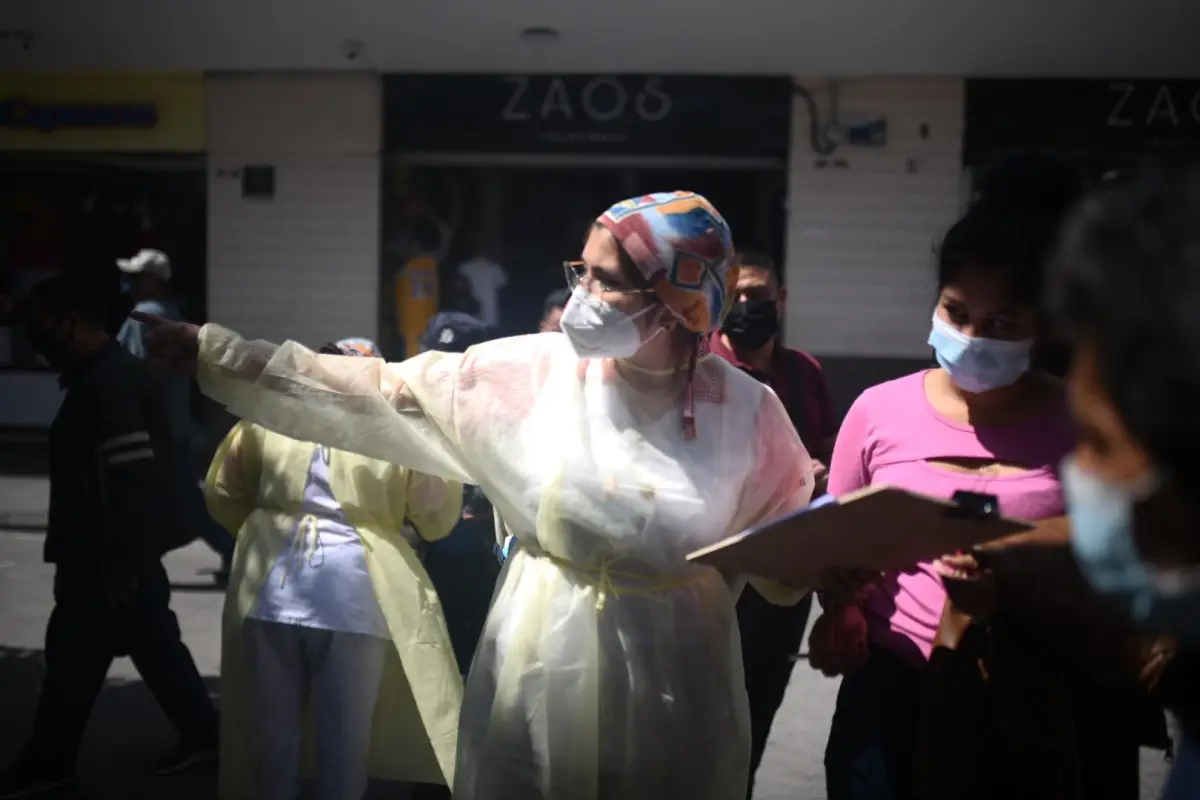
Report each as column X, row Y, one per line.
column 1011, row 227
column 1010, row 231
column 1126, row 279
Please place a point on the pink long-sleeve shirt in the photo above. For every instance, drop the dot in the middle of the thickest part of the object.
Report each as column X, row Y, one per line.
column 889, row 436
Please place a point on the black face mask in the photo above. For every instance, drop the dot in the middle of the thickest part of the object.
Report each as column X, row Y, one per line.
column 751, row 324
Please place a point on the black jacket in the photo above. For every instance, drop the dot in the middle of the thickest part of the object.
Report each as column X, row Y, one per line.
column 115, row 476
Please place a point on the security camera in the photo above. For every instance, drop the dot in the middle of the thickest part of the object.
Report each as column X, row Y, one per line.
column 352, row 49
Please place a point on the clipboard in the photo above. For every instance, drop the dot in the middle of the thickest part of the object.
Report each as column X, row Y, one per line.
column 879, row 528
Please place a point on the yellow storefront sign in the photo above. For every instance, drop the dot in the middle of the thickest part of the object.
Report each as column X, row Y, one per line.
column 102, row 112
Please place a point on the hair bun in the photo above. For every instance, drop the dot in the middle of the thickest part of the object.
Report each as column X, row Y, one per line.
column 1029, row 183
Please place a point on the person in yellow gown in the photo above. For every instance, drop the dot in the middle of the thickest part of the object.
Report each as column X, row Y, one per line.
column 334, row 650
column 609, row 666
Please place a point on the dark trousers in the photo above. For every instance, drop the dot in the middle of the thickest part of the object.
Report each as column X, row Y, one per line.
column 203, row 526
column 871, row 745
column 1184, row 781
column 217, row 538
column 1108, row 727
column 85, row 633
column 465, row 583
column 771, row 637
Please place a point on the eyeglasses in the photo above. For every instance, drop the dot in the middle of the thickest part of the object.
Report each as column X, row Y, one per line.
column 576, row 274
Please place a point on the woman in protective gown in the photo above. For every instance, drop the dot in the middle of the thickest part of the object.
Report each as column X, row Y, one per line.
column 609, row 667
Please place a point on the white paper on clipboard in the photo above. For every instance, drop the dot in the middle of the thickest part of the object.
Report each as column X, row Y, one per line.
column 878, row 528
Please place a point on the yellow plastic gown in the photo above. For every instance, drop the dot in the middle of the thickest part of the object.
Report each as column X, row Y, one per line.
column 609, row 666
column 255, row 488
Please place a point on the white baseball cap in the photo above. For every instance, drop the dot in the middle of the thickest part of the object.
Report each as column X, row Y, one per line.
column 151, row 262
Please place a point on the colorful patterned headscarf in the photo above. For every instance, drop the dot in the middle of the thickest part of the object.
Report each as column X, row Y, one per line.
column 684, row 248
column 357, row 346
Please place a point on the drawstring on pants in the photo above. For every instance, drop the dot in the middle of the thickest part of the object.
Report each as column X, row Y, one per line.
column 307, row 547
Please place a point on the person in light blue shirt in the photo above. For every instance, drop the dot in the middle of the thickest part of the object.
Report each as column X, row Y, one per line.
column 146, row 279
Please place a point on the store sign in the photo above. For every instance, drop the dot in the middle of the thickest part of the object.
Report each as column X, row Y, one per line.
column 599, row 100
column 678, row 115
column 1111, row 116
column 20, row 114
column 98, row 112
column 1161, row 106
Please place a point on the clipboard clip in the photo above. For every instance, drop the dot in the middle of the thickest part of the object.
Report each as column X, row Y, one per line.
column 973, row 505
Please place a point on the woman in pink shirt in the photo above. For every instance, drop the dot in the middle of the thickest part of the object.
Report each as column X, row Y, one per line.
column 983, row 421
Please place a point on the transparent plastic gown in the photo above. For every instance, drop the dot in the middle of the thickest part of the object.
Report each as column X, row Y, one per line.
column 610, row 666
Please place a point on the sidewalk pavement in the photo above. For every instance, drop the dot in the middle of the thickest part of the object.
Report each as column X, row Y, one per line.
column 24, row 501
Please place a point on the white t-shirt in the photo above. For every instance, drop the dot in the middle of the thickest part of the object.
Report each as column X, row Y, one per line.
column 320, row 579
column 487, row 278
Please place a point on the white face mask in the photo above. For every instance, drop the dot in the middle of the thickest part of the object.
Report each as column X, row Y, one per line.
column 597, row 330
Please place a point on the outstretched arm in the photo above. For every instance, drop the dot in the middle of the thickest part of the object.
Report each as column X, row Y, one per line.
column 402, row 413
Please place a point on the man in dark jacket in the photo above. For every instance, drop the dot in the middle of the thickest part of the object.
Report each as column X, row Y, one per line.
column 147, row 278
column 110, row 521
column 750, row 340
column 463, row 566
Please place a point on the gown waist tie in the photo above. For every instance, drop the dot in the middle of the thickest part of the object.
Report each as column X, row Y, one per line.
column 606, row 578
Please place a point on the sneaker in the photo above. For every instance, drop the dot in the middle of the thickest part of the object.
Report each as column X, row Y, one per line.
column 28, row 780
column 182, row 759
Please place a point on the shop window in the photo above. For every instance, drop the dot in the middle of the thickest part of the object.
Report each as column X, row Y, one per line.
column 80, row 216
column 491, row 240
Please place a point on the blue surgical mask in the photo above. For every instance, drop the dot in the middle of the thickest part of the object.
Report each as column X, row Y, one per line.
column 1101, row 514
column 978, row 365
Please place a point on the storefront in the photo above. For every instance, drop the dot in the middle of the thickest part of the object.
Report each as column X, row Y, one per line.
column 864, row 216
column 93, row 167
column 490, row 181
column 1107, row 127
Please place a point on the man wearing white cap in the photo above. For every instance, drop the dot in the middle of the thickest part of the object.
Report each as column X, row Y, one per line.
column 147, row 280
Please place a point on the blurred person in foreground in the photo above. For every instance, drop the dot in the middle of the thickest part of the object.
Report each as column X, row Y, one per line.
column 750, row 340
column 1126, row 287
column 146, row 278
column 111, row 519
column 609, row 666
column 332, row 639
